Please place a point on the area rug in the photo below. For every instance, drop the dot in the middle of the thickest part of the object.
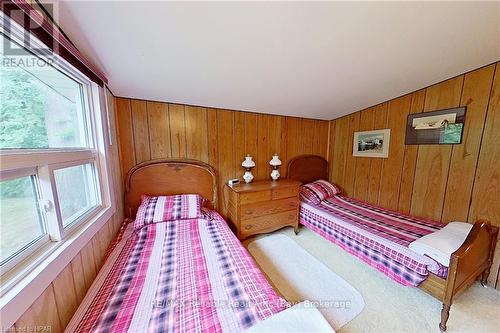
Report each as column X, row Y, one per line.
column 299, row 276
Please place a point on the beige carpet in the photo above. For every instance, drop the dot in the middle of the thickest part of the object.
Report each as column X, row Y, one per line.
column 391, row 307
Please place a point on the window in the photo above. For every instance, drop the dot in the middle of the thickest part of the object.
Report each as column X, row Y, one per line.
column 76, row 191
column 50, row 166
column 41, row 107
column 21, row 221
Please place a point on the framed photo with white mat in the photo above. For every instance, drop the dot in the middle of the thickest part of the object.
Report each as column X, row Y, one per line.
column 371, row 143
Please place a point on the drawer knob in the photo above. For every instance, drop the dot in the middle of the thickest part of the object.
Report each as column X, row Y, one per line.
column 248, row 211
column 248, row 227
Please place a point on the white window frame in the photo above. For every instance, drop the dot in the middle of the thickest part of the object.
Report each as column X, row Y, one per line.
column 36, row 244
column 29, row 273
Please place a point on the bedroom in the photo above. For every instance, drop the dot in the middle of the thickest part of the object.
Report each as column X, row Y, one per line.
column 396, row 105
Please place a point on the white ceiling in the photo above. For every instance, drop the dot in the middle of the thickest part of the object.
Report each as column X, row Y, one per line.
column 318, row 60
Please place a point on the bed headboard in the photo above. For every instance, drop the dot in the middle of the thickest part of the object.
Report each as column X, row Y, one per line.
column 169, row 177
column 307, row 168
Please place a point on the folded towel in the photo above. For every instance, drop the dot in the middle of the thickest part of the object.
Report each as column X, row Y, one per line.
column 299, row 318
column 442, row 243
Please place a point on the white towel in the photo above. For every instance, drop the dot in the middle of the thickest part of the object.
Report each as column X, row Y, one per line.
column 299, row 318
column 442, row 243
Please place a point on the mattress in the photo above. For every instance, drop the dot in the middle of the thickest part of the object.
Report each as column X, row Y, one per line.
column 377, row 236
column 177, row 276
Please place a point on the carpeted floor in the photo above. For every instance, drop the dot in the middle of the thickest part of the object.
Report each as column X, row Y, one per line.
column 391, row 307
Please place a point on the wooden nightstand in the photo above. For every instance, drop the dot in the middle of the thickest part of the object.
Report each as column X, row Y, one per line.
column 263, row 206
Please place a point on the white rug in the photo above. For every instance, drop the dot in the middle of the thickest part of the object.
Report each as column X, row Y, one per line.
column 299, row 276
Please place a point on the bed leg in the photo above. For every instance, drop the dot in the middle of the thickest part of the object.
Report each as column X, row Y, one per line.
column 484, row 277
column 445, row 313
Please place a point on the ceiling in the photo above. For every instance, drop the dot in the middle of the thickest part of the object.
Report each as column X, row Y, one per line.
column 318, row 60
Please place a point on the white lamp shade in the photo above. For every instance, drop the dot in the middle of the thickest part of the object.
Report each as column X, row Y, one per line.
column 275, row 161
column 248, row 162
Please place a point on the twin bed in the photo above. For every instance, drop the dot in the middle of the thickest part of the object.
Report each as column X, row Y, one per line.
column 381, row 238
column 185, row 275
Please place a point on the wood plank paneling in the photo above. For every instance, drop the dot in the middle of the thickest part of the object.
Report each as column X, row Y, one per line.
column 486, row 196
column 251, row 142
column 331, row 152
column 442, row 182
column 220, row 137
column 177, row 130
column 379, row 122
column 225, row 149
column 320, row 132
column 362, row 168
column 433, row 161
column 125, row 134
column 43, row 312
column 262, row 158
column 159, row 130
column 392, row 166
column 339, row 149
column 88, row 262
column 239, row 142
column 475, row 96
column 410, row 158
column 97, row 251
column 196, row 133
column 283, row 144
column 65, row 295
column 78, row 278
column 293, row 144
column 141, row 131
column 274, row 134
column 213, row 158
column 350, row 161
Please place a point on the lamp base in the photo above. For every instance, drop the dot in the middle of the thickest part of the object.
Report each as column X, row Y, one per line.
column 248, row 177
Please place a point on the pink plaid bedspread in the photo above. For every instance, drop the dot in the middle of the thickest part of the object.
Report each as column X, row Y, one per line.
column 378, row 236
column 180, row 276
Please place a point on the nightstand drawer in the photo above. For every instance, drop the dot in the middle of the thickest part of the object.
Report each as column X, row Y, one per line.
column 246, row 198
column 285, row 192
column 249, row 211
column 268, row 223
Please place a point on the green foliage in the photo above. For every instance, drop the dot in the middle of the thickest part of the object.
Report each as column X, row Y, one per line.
column 452, row 134
column 22, row 117
column 15, row 188
column 22, row 120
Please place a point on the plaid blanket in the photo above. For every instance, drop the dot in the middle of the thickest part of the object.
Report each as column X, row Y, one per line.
column 178, row 276
column 379, row 237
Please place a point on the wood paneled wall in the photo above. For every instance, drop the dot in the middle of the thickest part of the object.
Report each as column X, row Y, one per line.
column 222, row 138
column 57, row 304
column 441, row 182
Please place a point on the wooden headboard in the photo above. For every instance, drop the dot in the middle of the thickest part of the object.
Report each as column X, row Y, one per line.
column 307, row 168
column 169, row 177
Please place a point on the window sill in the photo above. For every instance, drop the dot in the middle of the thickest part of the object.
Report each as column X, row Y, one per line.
column 21, row 289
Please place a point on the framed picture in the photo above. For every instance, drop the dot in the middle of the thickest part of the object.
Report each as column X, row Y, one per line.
column 437, row 127
column 372, row 143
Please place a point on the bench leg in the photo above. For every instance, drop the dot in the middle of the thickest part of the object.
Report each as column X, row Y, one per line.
column 445, row 313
